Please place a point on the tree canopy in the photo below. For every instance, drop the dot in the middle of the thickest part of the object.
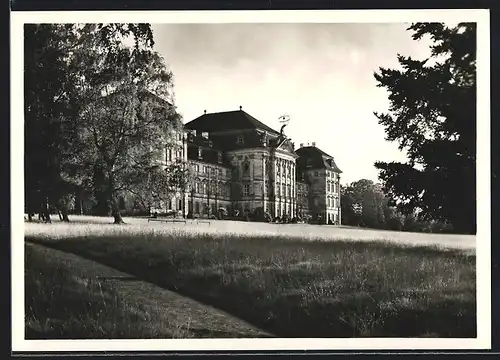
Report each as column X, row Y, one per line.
column 98, row 115
column 432, row 116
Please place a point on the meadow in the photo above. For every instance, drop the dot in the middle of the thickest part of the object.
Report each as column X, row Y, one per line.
column 293, row 280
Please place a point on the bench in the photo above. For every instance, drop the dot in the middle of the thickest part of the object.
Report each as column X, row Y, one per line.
column 203, row 222
column 169, row 220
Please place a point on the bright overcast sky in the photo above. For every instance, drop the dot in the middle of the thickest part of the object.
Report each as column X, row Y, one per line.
column 319, row 74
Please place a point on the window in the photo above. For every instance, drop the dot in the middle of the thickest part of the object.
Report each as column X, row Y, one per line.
column 197, row 168
column 220, row 172
column 246, row 189
column 180, row 205
column 278, row 188
column 179, row 154
column 204, row 187
column 197, row 207
column 283, row 189
column 240, row 139
column 205, row 169
column 289, row 189
column 316, row 173
column 169, row 154
column 197, row 187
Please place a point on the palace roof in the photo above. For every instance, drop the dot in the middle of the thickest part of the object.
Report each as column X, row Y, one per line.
column 227, row 121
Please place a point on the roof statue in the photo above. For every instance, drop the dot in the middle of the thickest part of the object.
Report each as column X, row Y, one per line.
column 283, row 119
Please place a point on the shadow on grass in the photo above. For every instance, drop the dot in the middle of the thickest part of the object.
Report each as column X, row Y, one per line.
column 349, row 307
column 62, row 305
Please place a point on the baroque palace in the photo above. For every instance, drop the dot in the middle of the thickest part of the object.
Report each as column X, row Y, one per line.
column 238, row 163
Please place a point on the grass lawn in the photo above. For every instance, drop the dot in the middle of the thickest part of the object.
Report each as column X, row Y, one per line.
column 70, row 297
column 289, row 287
column 64, row 301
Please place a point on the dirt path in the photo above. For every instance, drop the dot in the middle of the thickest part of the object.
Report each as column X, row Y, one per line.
column 188, row 316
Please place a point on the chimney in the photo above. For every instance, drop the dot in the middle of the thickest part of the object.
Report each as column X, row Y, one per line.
column 205, row 112
column 241, row 107
column 313, row 143
column 301, row 144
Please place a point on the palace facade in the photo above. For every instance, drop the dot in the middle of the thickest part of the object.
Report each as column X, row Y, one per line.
column 238, row 163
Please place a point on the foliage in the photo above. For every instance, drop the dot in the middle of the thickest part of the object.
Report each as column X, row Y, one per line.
column 154, row 187
column 49, row 103
column 376, row 211
column 102, row 107
column 369, row 198
column 432, row 116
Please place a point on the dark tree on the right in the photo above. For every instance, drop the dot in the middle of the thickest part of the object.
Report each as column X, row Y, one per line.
column 432, row 115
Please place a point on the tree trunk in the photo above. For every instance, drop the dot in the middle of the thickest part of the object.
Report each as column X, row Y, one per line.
column 115, row 211
column 78, row 202
column 64, row 213
column 45, row 213
column 117, row 216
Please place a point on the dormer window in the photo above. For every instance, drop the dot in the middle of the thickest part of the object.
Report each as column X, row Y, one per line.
column 240, row 140
column 309, row 162
column 219, row 157
column 200, row 153
column 210, row 143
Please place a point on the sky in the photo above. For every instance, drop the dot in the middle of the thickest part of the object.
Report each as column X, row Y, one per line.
column 321, row 75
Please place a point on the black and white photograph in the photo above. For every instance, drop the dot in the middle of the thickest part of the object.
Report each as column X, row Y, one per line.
column 231, row 180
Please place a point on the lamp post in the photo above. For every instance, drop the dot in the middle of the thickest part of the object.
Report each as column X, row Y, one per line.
column 208, row 191
column 216, row 190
